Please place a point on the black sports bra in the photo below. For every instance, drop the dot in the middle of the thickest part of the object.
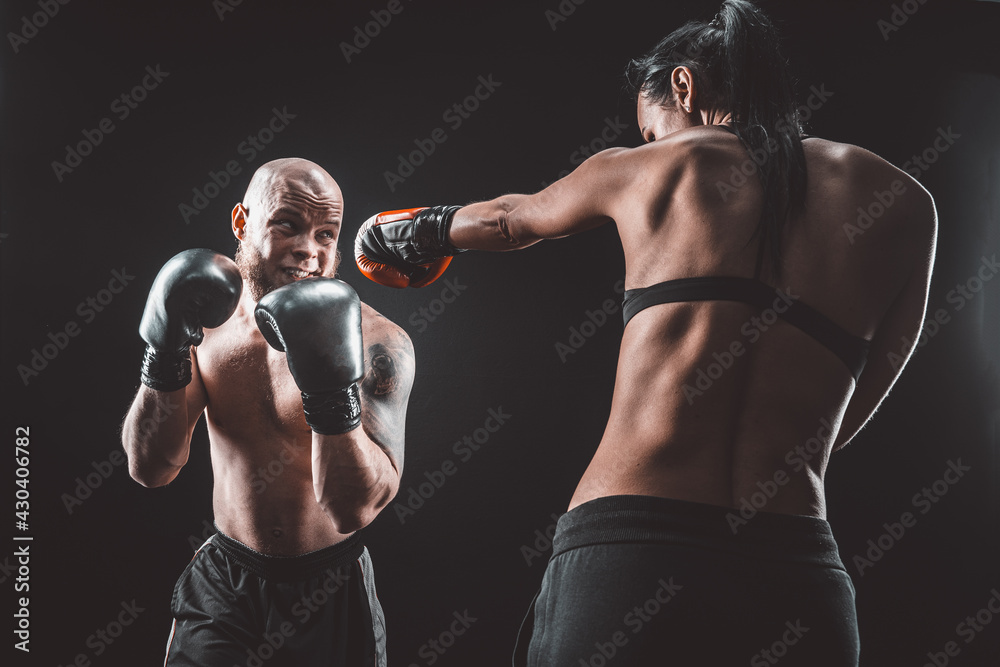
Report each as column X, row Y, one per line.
column 851, row 349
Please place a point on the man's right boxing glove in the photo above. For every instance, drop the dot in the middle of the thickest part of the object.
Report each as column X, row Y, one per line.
column 316, row 322
column 406, row 248
column 194, row 289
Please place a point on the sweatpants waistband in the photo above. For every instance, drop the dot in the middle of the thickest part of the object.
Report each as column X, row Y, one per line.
column 654, row 520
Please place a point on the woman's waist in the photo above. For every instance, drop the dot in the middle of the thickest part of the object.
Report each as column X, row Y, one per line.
column 746, row 476
column 671, row 522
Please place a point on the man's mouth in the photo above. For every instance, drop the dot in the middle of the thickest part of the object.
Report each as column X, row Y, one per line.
column 299, row 274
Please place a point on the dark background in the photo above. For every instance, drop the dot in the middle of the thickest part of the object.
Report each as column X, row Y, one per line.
column 495, row 345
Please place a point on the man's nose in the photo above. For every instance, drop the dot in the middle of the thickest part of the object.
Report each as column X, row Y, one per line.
column 305, row 247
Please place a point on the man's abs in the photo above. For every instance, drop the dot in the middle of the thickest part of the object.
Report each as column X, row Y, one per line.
column 265, row 499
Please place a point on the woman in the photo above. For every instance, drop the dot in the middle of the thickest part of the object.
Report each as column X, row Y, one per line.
column 697, row 535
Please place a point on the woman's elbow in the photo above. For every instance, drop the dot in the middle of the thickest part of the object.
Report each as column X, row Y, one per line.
column 513, row 226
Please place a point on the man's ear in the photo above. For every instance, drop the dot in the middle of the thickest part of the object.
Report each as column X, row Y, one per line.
column 239, row 221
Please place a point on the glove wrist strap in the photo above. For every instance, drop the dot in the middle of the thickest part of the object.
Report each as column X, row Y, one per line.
column 166, row 371
column 430, row 232
column 333, row 412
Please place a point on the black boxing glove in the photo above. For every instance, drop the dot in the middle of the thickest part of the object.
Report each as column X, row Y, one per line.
column 194, row 289
column 317, row 323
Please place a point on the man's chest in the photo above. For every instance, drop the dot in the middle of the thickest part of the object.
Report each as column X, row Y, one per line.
column 248, row 384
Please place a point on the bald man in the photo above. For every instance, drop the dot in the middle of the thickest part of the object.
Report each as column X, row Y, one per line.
column 304, row 392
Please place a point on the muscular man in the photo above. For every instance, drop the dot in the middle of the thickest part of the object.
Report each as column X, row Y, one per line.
column 751, row 309
column 288, row 366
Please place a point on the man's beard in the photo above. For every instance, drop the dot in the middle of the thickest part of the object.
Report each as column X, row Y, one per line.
column 251, row 264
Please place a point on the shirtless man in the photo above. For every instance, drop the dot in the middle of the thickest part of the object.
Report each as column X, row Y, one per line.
column 653, row 564
column 287, row 365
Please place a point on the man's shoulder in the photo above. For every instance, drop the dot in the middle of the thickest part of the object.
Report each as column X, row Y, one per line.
column 388, row 355
column 380, row 330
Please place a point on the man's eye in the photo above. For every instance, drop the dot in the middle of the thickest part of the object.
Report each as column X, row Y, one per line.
column 326, row 235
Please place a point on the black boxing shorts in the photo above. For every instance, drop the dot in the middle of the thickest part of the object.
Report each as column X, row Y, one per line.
column 233, row 606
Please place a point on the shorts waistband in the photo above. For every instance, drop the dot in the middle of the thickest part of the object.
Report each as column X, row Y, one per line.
column 654, row 520
column 290, row 568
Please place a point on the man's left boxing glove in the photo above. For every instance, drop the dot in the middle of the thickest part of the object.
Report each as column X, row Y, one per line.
column 194, row 289
column 317, row 323
column 406, row 248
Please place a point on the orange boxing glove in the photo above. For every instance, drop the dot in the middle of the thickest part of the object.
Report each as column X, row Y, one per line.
column 406, row 248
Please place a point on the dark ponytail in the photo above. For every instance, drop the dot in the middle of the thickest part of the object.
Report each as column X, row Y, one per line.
column 738, row 67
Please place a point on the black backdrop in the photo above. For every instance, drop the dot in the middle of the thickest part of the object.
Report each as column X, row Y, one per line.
column 476, row 544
